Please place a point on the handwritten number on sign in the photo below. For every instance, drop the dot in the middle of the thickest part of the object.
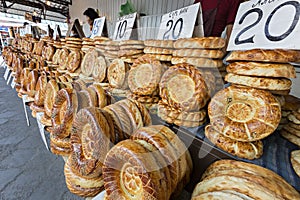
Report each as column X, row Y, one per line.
column 237, row 40
column 292, row 27
column 121, row 29
column 268, row 35
column 170, row 25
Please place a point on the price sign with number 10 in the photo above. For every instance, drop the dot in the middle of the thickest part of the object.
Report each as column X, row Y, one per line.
column 179, row 23
column 267, row 25
column 98, row 27
column 124, row 27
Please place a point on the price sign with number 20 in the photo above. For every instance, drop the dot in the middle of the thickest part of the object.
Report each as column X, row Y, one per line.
column 266, row 24
column 179, row 23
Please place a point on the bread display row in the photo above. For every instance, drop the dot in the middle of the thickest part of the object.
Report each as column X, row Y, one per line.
column 111, row 143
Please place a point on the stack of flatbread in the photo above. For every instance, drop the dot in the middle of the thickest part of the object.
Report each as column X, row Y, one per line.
column 87, row 44
column 263, row 69
column 111, row 49
column 291, row 130
column 160, row 49
column 236, row 180
column 206, row 53
column 131, row 49
column 240, row 118
column 100, row 43
column 184, row 94
column 73, row 43
column 290, row 104
column 55, row 59
column 143, row 80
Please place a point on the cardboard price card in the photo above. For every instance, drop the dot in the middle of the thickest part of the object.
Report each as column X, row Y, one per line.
column 124, row 27
column 266, row 24
column 98, row 27
column 179, row 23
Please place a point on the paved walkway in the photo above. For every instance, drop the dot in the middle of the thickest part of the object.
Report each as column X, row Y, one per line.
column 27, row 170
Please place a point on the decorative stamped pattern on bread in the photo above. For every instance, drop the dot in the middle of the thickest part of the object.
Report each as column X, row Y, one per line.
column 244, row 114
column 263, row 55
column 200, row 43
column 159, row 43
column 183, row 87
column 262, row 69
column 198, row 62
column 199, row 53
column 259, row 82
column 248, row 150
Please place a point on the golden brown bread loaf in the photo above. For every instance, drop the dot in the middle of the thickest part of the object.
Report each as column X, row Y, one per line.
column 199, row 53
column 262, row 69
column 248, row 150
column 145, row 74
column 244, row 114
column 268, row 183
column 51, row 90
column 200, row 43
column 73, row 61
column 183, row 87
column 264, row 55
column 64, row 109
column 198, row 62
column 100, row 69
column 117, row 74
column 159, row 43
column 259, row 82
column 88, row 62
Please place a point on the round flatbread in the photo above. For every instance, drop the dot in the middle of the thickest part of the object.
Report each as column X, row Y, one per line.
column 198, row 62
column 263, row 55
column 295, row 160
column 244, row 114
column 260, row 83
column 262, row 69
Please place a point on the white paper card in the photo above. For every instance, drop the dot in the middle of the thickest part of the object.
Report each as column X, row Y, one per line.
column 267, row 25
column 25, row 100
column 179, row 23
column 9, row 78
column 98, row 27
column 39, row 116
column 6, row 73
column 13, row 83
column 124, row 27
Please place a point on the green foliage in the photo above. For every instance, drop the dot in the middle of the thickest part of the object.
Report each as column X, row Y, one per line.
column 127, row 8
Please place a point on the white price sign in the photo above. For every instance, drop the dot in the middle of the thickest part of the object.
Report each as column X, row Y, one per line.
column 39, row 116
column 179, row 23
column 98, row 27
column 124, row 27
column 6, row 73
column 266, row 24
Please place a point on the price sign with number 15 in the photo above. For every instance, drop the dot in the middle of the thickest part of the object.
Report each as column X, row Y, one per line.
column 98, row 27
column 267, row 25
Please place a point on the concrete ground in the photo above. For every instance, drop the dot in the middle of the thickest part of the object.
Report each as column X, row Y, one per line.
column 28, row 171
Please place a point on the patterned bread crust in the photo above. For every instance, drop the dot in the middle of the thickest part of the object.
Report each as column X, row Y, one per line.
column 248, row 150
column 197, row 100
column 244, row 114
column 158, row 50
column 159, row 43
column 135, row 75
column 199, row 53
column 198, row 62
column 200, row 43
column 262, row 55
column 260, row 83
column 262, row 69
column 295, row 160
column 194, row 116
